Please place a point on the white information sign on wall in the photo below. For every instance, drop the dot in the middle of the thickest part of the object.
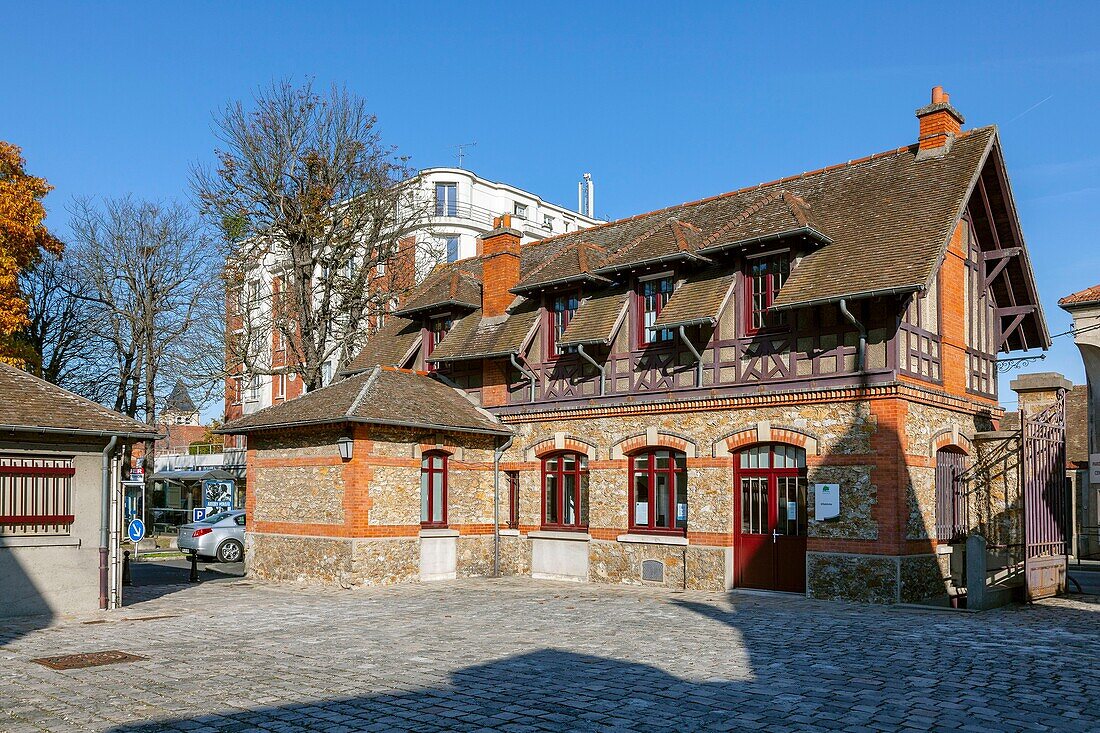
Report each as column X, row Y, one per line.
column 826, row 501
column 1094, row 468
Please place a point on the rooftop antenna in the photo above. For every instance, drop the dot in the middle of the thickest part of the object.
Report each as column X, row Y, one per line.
column 462, row 151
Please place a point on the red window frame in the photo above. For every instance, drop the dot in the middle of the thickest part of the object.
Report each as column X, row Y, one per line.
column 764, row 276
column 427, row 472
column 675, row 472
column 558, row 319
column 643, row 303
column 772, row 472
column 513, row 499
column 436, row 330
column 553, row 466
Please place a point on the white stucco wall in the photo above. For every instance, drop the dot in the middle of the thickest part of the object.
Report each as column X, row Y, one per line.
column 55, row 575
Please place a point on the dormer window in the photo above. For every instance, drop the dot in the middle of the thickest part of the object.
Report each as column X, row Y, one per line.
column 653, row 293
column 764, row 276
column 561, row 311
column 437, row 331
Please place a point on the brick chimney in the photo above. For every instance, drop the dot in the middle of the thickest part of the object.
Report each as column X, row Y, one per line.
column 939, row 122
column 499, row 266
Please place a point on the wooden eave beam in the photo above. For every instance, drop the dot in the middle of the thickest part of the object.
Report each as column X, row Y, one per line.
column 983, row 194
column 1018, row 236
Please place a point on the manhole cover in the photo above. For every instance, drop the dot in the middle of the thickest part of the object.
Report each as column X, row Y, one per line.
column 88, row 659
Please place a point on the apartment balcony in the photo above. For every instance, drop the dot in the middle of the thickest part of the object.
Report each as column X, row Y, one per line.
column 469, row 213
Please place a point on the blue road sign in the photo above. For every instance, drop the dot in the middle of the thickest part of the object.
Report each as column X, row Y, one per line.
column 198, row 514
column 136, row 531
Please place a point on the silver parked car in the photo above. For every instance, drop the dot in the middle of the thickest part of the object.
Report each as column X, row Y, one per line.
column 218, row 536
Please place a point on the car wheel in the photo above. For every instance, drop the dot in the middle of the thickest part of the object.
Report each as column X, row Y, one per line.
column 230, row 551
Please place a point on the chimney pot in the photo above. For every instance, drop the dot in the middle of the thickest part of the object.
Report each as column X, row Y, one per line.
column 940, row 123
column 499, row 250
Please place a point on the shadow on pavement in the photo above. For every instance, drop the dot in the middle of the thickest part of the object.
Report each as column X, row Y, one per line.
column 157, row 578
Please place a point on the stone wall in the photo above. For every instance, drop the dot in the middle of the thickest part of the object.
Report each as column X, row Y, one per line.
column 297, row 477
column 298, row 559
column 927, row 428
column 925, row 578
column 865, row 578
column 621, row 563
column 385, row 561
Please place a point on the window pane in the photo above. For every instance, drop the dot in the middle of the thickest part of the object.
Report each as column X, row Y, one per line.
column 681, row 500
column 584, row 463
column 569, row 499
column 423, row 496
column 552, row 502
column 641, row 499
column 661, row 501
column 641, row 463
column 569, row 462
column 437, row 461
column 437, row 497
column 661, row 460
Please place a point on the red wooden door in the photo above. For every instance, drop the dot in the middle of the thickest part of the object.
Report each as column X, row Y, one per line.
column 770, row 551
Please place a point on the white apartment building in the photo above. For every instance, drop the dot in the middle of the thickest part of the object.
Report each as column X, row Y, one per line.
column 464, row 207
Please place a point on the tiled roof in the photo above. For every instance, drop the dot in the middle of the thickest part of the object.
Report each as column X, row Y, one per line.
column 475, row 336
column 29, row 404
column 769, row 214
column 881, row 224
column 888, row 215
column 596, row 318
column 457, row 285
column 698, row 300
column 389, row 346
column 380, row 396
column 574, row 263
column 180, row 399
column 1082, row 297
column 665, row 241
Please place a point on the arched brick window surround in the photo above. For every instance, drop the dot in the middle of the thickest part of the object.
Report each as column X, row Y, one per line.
column 765, row 432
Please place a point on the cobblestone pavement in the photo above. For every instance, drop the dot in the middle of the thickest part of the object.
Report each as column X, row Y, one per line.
column 519, row 655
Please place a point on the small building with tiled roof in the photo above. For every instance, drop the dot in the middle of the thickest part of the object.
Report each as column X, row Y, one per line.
column 382, row 470
column 60, row 471
column 684, row 386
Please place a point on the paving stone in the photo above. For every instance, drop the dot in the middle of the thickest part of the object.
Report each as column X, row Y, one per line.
column 524, row 656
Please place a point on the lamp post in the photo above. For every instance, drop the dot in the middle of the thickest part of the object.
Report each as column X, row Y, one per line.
column 345, row 445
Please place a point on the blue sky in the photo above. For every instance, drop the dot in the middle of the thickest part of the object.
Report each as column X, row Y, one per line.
column 662, row 102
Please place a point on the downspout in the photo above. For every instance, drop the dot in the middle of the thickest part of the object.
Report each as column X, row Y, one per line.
column 696, row 354
column 599, row 367
column 105, row 520
column 861, row 348
column 497, row 454
column 525, row 372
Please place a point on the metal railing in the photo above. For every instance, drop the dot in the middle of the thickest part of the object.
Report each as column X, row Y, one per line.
column 481, row 215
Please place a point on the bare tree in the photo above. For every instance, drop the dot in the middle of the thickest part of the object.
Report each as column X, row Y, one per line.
column 61, row 334
column 147, row 270
column 304, row 188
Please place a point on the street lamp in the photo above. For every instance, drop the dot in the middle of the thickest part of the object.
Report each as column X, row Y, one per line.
column 345, row 444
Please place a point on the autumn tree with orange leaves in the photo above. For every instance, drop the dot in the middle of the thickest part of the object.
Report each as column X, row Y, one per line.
column 23, row 240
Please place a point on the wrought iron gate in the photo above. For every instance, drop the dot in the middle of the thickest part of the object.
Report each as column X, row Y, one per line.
column 1043, row 483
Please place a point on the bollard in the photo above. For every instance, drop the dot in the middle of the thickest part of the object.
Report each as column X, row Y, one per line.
column 126, row 568
column 194, row 569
